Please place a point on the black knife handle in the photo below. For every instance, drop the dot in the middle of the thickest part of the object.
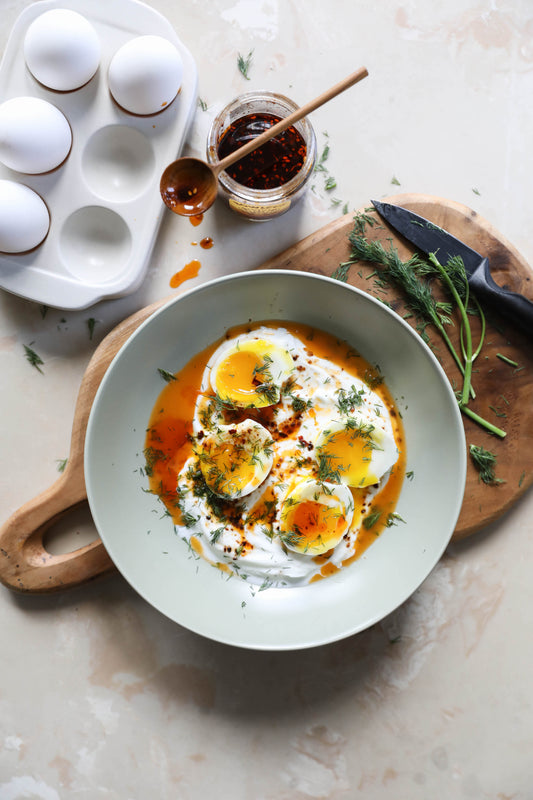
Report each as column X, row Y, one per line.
column 515, row 307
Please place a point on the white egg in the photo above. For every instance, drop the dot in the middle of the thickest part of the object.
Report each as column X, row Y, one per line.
column 235, row 459
column 315, row 516
column 62, row 49
column 24, row 218
column 250, row 372
column 355, row 452
column 145, row 75
column 35, row 136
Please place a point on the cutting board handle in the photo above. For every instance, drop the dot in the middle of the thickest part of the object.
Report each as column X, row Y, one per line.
column 25, row 564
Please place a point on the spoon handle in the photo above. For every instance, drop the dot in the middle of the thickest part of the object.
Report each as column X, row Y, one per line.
column 297, row 115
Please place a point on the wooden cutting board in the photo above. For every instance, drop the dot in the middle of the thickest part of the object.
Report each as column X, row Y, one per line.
column 504, row 396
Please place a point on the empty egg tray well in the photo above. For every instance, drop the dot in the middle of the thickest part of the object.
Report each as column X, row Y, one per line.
column 104, row 202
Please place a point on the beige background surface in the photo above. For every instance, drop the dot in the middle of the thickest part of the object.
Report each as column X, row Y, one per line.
column 103, row 698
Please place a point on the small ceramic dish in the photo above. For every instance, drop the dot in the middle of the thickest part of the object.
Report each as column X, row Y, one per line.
column 142, row 542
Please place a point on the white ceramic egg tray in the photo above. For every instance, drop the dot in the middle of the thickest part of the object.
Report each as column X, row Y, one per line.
column 104, row 202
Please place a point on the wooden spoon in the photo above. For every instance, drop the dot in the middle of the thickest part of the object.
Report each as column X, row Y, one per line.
column 189, row 185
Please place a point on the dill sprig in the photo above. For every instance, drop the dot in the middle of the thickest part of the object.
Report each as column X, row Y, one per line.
column 485, row 462
column 412, row 277
column 419, row 296
column 468, row 355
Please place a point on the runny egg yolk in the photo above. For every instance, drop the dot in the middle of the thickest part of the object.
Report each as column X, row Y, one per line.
column 315, row 516
column 236, row 459
column 354, row 453
column 251, row 373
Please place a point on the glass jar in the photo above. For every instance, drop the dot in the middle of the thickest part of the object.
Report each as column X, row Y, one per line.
column 261, row 204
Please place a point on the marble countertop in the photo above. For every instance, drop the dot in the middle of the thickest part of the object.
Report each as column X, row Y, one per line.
column 101, row 697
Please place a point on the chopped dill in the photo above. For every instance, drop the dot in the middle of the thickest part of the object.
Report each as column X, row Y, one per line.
column 326, row 470
column 33, row 358
column 393, row 518
column 265, row 366
column 269, row 391
column 244, row 63
column 348, row 401
column 506, row 359
column 189, row 520
column 268, row 531
column 370, row 520
column 166, row 375
column 360, row 222
column 216, row 534
column 485, row 462
column 298, row 404
column 152, row 456
column 91, row 322
column 373, row 378
column 61, row 464
column 341, row 273
column 319, row 166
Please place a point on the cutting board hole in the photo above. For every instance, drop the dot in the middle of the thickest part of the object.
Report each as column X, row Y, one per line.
column 71, row 531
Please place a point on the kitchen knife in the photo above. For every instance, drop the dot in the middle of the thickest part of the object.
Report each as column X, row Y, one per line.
column 429, row 238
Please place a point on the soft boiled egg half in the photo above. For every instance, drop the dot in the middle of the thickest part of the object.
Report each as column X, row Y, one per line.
column 62, row 49
column 235, row 459
column 355, row 452
column 251, row 372
column 315, row 516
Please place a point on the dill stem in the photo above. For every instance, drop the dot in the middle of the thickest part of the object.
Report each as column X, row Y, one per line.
column 467, row 374
column 439, row 326
column 482, row 334
column 481, row 421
